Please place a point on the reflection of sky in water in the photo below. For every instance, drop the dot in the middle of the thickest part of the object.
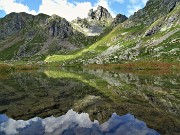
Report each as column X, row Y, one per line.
column 75, row 124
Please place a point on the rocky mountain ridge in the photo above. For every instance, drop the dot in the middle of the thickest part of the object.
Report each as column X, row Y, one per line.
column 153, row 10
column 151, row 34
column 97, row 21
column 24, row 36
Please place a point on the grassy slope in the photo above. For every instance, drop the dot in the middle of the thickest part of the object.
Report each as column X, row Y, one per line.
column 95, row 48
column 8, row 53
column 128, row 38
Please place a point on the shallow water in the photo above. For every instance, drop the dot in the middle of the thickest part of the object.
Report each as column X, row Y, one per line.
column 113, row 102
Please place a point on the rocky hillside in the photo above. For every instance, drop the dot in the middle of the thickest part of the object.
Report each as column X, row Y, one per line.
column 28, row 37
column 25, row 35
column 153, row 10
column 151, row 34
column 97, row 21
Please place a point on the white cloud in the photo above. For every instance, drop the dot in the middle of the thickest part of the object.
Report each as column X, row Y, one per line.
column 11, row 126
column 71, row 11
column 13, row 6
column 65, row 9
column 64, row 122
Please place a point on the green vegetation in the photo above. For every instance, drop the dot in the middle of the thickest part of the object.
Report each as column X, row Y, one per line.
column 142, row 65
column 162, row 45
column 35, row 44
column 8, row 53
column 8, row 68
column 148, row 36
column 117, row 36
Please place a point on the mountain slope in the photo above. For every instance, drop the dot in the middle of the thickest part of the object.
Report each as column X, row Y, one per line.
column 27, row 37
column 24, row 35
column 139, row 38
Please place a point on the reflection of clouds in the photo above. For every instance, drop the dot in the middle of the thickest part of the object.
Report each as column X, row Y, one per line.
column 74, row 123
column 11, row 127
column 126, row 125
column 58, row 125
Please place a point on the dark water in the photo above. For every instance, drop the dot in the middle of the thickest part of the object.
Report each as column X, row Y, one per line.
column 69, row 101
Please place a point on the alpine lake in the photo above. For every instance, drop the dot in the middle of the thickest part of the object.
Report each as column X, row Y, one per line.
column 89, row 102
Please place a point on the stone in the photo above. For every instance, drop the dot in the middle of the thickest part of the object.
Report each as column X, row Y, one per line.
column 119, row 19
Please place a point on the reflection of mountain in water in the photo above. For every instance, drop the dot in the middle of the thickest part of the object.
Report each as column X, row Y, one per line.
column 73, row 123
column 150, row 98
column 158, row 90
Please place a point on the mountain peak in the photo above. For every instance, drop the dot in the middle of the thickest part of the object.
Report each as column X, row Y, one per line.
column 99, row 14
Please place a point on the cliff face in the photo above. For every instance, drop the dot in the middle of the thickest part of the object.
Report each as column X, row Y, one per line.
column 58, row 27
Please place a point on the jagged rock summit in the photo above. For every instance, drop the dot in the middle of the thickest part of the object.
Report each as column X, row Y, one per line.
column 101, row 14
column 97, row 21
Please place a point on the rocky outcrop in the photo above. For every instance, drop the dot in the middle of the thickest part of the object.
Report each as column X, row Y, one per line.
column 95, row 23
column 100, row 15
column 165, row 22
column 119, row 19
column 153, row 10
column 13, row 23
column 31, row 35
column 58, row 26
column 152, row 30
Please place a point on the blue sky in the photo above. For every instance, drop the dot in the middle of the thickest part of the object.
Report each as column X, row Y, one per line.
column 69, row 9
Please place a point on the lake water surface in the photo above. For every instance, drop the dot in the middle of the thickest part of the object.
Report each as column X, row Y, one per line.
column 89, row 102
